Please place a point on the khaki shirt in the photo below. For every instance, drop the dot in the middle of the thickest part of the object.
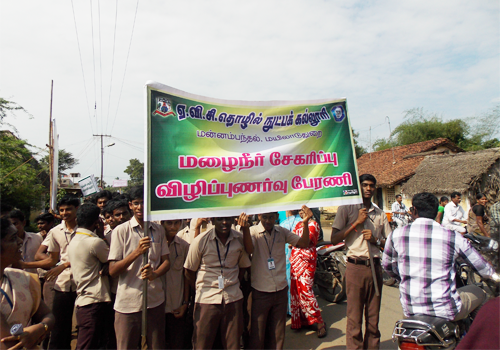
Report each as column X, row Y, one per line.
column 113, row 281
column 203, row 257
column 87, row 253
column 174, row 278
column 379, row 225
column 31, row 243
column 263, row 279
column 59, row 241
column 125, row 240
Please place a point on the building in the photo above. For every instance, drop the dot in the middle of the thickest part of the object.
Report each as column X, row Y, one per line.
column 393, row 167
column 467, row 173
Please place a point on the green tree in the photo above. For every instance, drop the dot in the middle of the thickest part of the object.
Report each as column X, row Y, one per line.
column 9, row 107
column 360, row 150
column 66, row 161
column 135, row 170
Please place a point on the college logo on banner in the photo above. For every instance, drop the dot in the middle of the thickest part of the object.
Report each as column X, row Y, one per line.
column 163, row 108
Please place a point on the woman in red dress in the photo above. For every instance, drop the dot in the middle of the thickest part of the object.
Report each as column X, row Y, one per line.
column 303, row 304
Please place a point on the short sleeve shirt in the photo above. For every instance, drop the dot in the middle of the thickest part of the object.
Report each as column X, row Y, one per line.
column 174, row 278
column 376, row 222
column 270, row 246
column 31, row 243
column 60, row 236
column 87, row 253
column 203, row 257
column 125, row 240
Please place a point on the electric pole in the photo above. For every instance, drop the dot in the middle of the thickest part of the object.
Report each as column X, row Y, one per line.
column 102, row 158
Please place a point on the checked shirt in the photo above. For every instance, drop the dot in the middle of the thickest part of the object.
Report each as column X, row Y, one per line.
column 421, row 256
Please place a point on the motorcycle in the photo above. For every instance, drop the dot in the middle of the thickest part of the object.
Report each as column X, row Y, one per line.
column 331, row 265
column 428, row 332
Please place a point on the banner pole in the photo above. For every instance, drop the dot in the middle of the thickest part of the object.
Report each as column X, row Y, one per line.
column 144, row 330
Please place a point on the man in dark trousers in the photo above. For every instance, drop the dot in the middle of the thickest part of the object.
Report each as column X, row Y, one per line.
column 364, row 228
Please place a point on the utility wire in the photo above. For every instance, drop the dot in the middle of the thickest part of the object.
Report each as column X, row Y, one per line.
column 112, row 63
column 125, row 71
column 81, row 64
column 93, row 61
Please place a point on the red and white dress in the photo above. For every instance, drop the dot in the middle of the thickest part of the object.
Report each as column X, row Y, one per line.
column 303, row 304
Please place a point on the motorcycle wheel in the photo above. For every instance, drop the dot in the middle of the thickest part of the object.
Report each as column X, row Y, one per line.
column 336, row 293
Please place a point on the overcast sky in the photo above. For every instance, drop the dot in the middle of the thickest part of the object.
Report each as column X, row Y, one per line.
column 384, row 56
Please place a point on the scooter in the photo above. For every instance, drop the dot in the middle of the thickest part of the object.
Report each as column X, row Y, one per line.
column 331, row 265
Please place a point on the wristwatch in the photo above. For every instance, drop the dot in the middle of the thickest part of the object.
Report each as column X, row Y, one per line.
column 379, row 242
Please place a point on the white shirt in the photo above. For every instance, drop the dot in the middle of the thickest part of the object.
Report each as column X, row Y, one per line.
column 31, row 243
column 451, row 212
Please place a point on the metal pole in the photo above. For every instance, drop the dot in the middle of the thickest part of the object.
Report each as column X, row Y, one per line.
column 144, row 329
column 102, row 162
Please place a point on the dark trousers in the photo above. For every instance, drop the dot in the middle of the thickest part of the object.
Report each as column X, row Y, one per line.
column 267, row 329
column 62, row 308
column 92, row 320
column 227, row 318
column 361, row 299
column 178, row 332
column 128, row 329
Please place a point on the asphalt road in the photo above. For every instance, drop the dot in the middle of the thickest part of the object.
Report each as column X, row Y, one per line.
column 335, row 319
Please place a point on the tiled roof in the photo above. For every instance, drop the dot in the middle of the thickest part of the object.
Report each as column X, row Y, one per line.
column 390, row 170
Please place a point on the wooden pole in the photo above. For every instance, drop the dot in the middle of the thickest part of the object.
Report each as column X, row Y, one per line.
column 51, row 145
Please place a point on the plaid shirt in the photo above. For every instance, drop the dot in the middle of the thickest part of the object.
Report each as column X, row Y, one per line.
column 422, row 257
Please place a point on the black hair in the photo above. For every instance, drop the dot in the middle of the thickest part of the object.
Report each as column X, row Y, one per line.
column 455, row 194
column 5, row 224
column 113, row 205
column 87, row 214
column 443, row 199
column 5, row 207
column 69, row 200
column 426, row 204
column 368, row 177
column 103, row 194
column 17, row 214
column 136, row 192
column 47, row 217
column 480, row 195
column 398, row 196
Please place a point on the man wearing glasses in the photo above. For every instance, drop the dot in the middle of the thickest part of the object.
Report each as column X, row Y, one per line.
column 364, row 228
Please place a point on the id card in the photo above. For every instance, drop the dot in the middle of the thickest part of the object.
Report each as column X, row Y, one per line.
column 221, row 282
column 270, row 264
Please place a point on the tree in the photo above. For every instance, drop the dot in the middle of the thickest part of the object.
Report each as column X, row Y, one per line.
column 135, row 170
column 360, row 150
column 66, row 161
column 420, row 125
column 9, row 107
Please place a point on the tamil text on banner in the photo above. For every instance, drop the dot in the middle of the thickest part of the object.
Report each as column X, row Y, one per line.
column 88, row 185
column 208, row 157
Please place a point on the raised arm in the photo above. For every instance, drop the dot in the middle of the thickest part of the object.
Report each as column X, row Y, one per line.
column 245, row 228
column 340, row 235
column 116, row 267
column 303, row 242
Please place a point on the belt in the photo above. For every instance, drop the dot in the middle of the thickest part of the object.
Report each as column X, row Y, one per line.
column 376, row 261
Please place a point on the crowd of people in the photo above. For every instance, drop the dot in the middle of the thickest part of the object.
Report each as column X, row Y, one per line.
column 223, row 282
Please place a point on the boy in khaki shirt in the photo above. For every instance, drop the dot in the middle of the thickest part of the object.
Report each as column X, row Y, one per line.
column 215, row 262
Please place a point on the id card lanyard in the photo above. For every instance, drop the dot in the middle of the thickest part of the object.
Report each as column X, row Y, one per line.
column 270, row 262
column 222, row 263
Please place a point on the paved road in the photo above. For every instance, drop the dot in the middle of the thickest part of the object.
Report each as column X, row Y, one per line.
column 335, row 319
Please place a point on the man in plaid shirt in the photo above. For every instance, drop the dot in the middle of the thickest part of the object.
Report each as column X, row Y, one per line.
column 422, row 257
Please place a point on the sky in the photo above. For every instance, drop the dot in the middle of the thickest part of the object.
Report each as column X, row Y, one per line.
column 385, row 57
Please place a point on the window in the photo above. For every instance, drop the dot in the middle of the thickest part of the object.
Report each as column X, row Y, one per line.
column 391, row 197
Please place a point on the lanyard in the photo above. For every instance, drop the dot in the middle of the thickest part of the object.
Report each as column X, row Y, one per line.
column 270, row 250
column 5, row 293
column 151, row 236
column 83, row 233
column 218, row 253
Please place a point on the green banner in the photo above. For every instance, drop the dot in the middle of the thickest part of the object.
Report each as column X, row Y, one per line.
column 207, row 157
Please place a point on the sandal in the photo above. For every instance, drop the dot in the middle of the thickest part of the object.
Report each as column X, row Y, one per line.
column 320, row 329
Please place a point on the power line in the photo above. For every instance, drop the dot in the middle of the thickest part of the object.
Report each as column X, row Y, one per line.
column 112, row 63
column 81, row 64
column 93, row 61
column 126, row 64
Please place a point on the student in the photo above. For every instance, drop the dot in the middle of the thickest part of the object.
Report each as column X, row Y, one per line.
column 64, row 288
column 31, row 241
column 87, row 253
column 45, row 222
column 364, row 228
column 101, row 198
column 214, row 260
column 176, row 290
column 127, row 247
column 266, row 242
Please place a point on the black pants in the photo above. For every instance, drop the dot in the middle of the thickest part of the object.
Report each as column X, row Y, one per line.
column 92, row 320
column 64, row 303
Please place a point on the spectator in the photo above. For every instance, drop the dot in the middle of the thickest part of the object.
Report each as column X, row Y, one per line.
column 454, row 214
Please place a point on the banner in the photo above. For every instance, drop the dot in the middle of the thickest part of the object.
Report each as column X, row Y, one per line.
column 55, row 167
column 88, row 185
column 120, row 183
column 208, row 157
